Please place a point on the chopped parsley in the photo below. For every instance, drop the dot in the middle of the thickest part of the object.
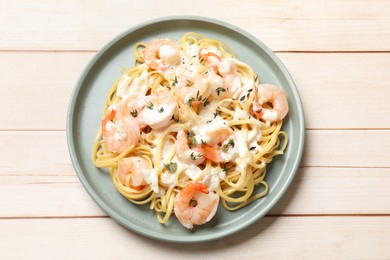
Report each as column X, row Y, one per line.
column 193, row 143
column 215, row 115
column 150, row 105
column 198, row 98
column 161, row 110
column 225, row 147
column 195, row 157
column 174, row 81
column 191, row 138
column 171, row 167
column 134, row 113
column 206, row 101
column 189, row 101
column 175, row 119
column 225, row 169
column 189, row 83
column 252, row 148
column 190, row 134
column 219, row 90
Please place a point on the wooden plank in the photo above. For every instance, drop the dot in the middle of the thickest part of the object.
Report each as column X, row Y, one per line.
column 342, row 90
column 314, row 191
column 337, row 191
column 283, row 25
column 338, row 90
column 340, row 148
column 45, row 196
column 270, row 238
column 36, row 88
column 45, row 153
column 35, row 153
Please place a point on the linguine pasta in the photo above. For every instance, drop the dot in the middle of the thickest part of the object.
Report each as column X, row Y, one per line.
column 189, row 112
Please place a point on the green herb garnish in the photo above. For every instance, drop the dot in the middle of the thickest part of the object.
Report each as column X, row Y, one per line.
column 194, row 157
column 189, row 101
column 219, row 90
column 134, row 113
column 150, row 105
column 174, row 82
column 225, row 147
column 171, row 167
column 175, row 119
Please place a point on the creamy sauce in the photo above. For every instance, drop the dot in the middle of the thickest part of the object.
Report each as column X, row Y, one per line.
column 213, row 178
column 161, row 113
column 208, row 127
column 240, row 114
column 270, row 115
column 168, row 179
column 127, row 85
column 210, row 122
column 150, row 177
column 211, row 49
column 232, row 152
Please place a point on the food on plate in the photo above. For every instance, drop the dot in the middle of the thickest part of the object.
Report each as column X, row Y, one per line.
column 190, row 127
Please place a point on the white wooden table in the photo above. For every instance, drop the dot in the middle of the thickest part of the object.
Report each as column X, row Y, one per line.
column 338, row 53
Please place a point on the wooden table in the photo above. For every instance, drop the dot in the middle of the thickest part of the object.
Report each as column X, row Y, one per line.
column 338, row 53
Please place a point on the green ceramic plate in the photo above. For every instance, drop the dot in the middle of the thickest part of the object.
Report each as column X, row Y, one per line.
column 85, row 111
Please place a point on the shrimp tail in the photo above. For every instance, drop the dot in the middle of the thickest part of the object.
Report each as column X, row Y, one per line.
column 201, row 187
column 108, row 117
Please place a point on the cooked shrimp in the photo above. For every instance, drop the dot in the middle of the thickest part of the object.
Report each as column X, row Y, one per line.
column 267, row 93
column 212, row 60
column 218, row 87
column 130, row 172
column 195, row 205
column 226, row 67
column 217, row 139
column 192, row 91
column 159, row 109
column 161, row 54
column 121, row 134
column 184, row 153
column 132, row 106
column 231, row 79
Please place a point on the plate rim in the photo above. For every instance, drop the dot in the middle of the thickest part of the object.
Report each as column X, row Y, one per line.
column 147, row 232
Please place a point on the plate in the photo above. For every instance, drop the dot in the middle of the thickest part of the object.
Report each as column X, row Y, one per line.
column 85, row 112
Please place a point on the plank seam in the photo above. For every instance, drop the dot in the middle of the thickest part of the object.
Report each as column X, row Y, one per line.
column 275, row 51
column 266, row 216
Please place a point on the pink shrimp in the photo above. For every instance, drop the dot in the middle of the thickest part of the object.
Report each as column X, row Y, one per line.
column 121, row 134
column 212, row 60
column 227, row 69
column 192, row 90
column 213, row 149
column 130, row 172
column 183, row 151
column 161, row 54
column 159, row 109
column 267, row 93
column 195, row 205
column 132, row 106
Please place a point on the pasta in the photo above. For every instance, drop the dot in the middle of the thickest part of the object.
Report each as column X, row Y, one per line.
column 190, row 126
